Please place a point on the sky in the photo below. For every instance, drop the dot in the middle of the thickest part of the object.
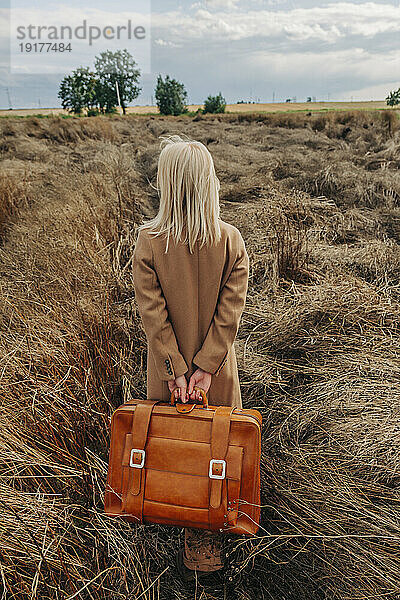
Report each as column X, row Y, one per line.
column 251, row 50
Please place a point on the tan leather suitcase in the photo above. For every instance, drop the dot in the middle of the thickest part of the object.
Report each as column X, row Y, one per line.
column 187, row 465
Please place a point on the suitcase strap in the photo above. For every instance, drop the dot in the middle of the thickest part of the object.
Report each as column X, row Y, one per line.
column 219, row 447
column 133, row 502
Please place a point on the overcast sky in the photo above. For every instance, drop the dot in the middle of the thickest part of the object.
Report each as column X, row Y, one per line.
column 248, row 50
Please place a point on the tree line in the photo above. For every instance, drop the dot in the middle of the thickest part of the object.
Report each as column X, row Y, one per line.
column 114, row 81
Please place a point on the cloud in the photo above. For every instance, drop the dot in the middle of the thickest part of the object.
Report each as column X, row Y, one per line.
column 295, row 47
column 228, row 4
column 353, row 63
column 328, row 24
column 161, row 42
column 366, row 93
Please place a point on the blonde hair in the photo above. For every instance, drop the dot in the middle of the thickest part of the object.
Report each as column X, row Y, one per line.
column 189, row 193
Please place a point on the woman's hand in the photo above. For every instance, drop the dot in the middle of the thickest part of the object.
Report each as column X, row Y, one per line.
column 201, row 379
column 179, row 387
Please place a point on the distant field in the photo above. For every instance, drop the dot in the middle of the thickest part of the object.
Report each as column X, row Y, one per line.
column 234, row 108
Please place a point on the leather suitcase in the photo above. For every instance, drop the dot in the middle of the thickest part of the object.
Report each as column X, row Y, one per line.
column 186, row 465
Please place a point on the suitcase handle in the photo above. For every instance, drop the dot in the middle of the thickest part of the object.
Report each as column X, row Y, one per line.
column 189, row 407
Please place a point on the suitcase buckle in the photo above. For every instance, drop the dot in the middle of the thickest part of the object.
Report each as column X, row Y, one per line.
column 214, row 461
column 131, row 463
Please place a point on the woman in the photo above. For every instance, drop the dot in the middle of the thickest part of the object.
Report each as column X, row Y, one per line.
column 190, row 272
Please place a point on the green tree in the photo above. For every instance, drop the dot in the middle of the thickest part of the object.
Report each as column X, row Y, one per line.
column 170, row 96
column 393, row 98
column 78, row 90
column 116, row 67
column 215, row 104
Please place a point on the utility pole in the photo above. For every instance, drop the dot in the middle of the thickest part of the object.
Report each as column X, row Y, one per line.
column 152, row 100
column 273, row 97
column 9, row 99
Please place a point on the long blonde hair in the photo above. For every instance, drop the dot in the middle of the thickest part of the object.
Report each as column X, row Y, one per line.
column 189, row 193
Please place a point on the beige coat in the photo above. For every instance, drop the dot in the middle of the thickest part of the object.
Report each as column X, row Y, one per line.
column 191, row 306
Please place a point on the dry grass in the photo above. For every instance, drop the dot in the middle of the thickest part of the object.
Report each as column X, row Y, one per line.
column 13, row 197
column 316, row 198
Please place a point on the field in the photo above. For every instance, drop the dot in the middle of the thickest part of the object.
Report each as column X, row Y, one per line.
column 317, row 199
column 230, row 108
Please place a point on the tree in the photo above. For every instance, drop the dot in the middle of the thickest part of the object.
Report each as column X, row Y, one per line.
column 215, row 104
column 170, row 96
column 116, row 67
column 78, row 90
column 393, row 98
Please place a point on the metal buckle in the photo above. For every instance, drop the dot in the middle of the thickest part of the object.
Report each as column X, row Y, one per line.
column 213, row 461
column 132, row 464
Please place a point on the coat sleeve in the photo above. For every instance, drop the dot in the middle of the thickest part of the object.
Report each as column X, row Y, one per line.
column 225, row 324
column 153, row 311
